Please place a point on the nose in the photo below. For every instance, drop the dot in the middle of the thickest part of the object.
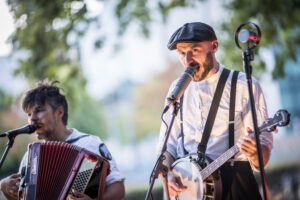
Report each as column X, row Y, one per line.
column 188, row 59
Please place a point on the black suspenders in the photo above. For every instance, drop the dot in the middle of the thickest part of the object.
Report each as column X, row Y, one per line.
column 213, row 110
column 232, row 108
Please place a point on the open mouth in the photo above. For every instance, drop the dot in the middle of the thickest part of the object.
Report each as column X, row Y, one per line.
column 38, row 126
column 196, row 66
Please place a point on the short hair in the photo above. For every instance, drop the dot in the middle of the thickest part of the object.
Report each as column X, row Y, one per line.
column 46, row 92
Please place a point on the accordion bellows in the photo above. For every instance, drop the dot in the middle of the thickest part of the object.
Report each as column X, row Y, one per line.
column 55, row 168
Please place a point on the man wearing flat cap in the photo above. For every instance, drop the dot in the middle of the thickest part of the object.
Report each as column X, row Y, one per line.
column 214, row 115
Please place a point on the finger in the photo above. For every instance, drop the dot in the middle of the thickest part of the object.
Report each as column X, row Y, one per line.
column 173, row 192
column 174, row 188
column 249, row 130
column 249, row 142
column 181, row 187
column 70, row 197
column 248, row 152
column 15, row 181
column 15, row 176
column 177, row 187
column 179, row 183
column 77, row 194
column 14, row 188
column 248, row 145
column 13, row 193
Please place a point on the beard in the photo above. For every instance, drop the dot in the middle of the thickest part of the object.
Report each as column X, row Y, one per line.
column 44, row 135
column 46, row 131
column 204, row 68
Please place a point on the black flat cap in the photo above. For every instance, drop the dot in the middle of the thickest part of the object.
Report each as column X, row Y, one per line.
column 192, row 33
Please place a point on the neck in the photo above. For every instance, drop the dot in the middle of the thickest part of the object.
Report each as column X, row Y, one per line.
column 214, row 70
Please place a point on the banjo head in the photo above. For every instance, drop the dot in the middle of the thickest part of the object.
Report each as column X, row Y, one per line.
column 189, row 173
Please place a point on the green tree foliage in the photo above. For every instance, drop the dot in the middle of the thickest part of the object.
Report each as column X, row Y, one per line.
column 5, row 100
column 279, row 22
column 47, row 41
column 47, row 35
column 87, row 116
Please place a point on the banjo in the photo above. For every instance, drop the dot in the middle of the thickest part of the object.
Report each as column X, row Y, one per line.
column 205, row 182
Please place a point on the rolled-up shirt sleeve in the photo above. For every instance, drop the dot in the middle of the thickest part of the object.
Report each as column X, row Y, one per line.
column 114, row 175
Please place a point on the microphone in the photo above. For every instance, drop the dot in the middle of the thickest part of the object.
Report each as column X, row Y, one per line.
column 26, row 129
column 249, row 36
column 180, row 86
column 246, row 36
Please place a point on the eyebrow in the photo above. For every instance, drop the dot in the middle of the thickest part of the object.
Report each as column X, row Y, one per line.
column 196, row 45
column 193, row 46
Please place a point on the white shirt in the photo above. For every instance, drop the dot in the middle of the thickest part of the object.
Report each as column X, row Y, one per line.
column 196, row 104
column 90, row 143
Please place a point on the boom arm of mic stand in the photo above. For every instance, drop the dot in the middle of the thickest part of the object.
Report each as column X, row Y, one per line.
column 8, row 146
column 159, row 166
column 248, row 57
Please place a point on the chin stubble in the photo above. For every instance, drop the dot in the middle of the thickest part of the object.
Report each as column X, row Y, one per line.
column 206, row 66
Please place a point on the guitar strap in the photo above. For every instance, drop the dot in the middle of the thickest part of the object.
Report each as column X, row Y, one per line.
column 213, row 110
column 102, row 147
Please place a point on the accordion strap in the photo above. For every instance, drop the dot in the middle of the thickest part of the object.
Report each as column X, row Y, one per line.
column 71, row 141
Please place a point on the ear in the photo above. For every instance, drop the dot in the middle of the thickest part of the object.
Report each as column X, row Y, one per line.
column 60, row 112
column 215, row 46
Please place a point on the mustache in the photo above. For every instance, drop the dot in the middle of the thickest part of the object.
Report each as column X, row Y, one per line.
column 37, row 124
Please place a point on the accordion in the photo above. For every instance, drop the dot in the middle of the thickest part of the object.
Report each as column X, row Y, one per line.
column 55, row 168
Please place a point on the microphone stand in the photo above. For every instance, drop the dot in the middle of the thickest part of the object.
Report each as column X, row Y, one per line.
column 10, row 143
column 159, row 166
column 247, row 58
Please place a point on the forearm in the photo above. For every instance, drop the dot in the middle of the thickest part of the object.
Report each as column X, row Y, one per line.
column 114, row 191
column 169, row 159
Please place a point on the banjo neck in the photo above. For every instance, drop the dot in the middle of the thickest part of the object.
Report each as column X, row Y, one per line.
column 281, row 118
column 212, row 167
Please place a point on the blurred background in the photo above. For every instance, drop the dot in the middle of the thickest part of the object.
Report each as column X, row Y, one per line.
column 112, row 61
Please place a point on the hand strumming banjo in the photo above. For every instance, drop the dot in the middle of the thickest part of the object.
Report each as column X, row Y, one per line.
column 205, row 183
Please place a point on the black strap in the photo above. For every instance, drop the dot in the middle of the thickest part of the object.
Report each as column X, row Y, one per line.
column 75, row 139
column 213, row 111
column 181, row 124
column 232, row 108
